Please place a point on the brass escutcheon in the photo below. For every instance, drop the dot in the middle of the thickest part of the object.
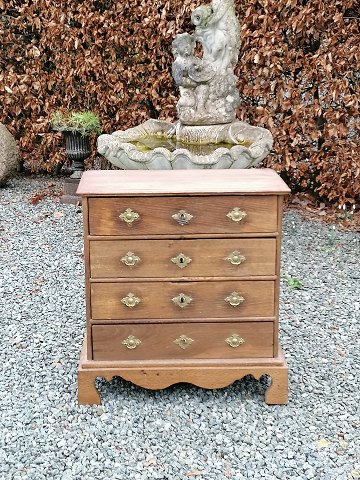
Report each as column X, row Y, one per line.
column 234, row 340
column 130, row 259
column 181, row 260
column 235, row 299
column 183, row 341
column 130, row 300
column 182, row 217
column 236, row 215
column 182, row 300
column 129, row 216
column 235, row 258
column 131, row 342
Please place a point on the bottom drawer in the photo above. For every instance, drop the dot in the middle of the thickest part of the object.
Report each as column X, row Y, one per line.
column 182, row 341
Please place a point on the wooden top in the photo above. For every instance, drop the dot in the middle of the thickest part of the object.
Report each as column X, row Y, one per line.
column 254, row 181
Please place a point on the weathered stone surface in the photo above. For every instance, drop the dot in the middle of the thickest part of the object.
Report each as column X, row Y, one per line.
column 207, row 134
column 9, row 155
column 246, row 146
column 208, row 94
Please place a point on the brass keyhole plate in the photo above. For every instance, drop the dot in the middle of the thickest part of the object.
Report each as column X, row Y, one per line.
column 181, row 260
column 182, row 217
column 182, row 300
column 183, row 341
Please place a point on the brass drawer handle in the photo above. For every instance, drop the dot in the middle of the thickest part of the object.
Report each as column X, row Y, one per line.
column 182, row 300
column 182, row 217
column 236, row 215
column 234, row 340
column 183, row 341
column 130, row 300
column 235, row 258
column 131, row 342
column 181, row 260
column 130, row 259
column 234, row 299
column 129, row 216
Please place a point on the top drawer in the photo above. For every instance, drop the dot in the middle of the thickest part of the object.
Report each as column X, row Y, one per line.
column 130, row 216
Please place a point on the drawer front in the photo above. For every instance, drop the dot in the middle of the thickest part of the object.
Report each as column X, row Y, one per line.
column 193, row 215
column 182, row 258
column 182, row 341
column 181, row 300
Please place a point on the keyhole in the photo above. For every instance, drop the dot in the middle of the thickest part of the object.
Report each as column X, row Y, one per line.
column 182, row 217
column 182, row 299
column 181, row 259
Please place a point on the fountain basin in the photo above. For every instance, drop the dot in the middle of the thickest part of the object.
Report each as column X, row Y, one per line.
column 163, row 145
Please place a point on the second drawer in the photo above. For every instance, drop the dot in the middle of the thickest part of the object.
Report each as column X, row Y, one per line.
column 147, row 300
column 183, row 258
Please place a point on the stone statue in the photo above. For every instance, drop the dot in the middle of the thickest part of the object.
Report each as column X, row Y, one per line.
column 211, row 79
column 207, row 133
column 218, row 30
column 190, row 74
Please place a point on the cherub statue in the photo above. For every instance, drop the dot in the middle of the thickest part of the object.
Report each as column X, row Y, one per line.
column 183, row 47
column 213, row 42
column 190, row 74
column 208, row 94
column 218, row 30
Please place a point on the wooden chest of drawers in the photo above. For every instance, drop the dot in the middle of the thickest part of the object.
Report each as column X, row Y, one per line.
column 182, row 278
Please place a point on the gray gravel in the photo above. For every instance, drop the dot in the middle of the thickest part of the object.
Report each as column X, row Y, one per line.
column 182, row 432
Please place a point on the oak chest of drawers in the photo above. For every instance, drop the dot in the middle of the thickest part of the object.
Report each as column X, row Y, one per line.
column 182, row 278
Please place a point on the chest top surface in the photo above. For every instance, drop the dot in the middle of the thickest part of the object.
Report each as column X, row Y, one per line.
column 181, row 182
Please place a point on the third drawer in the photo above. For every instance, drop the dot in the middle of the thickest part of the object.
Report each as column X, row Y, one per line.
column 180, row 300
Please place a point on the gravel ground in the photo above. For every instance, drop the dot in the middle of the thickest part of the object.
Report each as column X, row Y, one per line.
column 184, row 431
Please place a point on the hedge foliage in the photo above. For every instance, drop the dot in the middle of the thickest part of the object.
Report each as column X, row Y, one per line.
column 298, row 71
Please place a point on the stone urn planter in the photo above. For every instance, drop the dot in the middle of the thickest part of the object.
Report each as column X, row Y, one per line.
column 77, row 149
column 77, row 128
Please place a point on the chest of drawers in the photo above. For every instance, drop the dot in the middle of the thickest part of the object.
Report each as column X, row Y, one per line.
column 182, row 278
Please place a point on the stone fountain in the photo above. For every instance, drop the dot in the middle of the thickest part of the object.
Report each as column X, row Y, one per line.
column 207, row 133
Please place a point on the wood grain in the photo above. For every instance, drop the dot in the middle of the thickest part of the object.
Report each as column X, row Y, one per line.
column 156, row 300
column 209, row 215
column 278, row 273
column 85, row 213
column 157, row 375
column 208, row 258
column 158, row 341
column 259, row 181
column 156, row 237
